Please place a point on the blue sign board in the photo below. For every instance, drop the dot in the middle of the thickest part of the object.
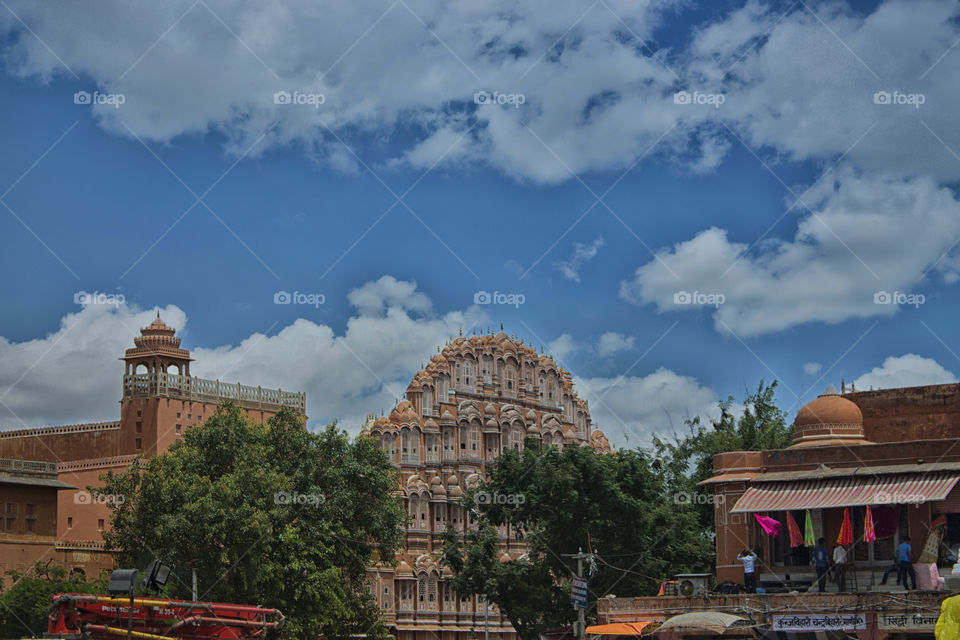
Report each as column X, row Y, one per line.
column 578, row 593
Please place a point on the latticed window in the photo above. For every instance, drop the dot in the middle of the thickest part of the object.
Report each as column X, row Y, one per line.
column 422, row 588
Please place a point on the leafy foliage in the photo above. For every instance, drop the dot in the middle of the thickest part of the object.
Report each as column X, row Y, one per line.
column 688, row 460
column 270, row 514
column 640, row 511
column 559, row 501
column 25, row 604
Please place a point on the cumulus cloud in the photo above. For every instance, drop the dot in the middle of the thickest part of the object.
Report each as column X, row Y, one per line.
column 562, row 347
column 72, row 375
column 812, row 368
column 633, row 409
column 582, row 253
column 862, row 236
column 611, row 343
column 365, row 71
column 909, row 370
column 804, row 83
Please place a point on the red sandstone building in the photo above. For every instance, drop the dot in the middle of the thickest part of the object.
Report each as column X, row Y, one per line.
column 44, row 472
column 895, row 450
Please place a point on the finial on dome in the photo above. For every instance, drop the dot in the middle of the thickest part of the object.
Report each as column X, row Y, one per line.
column 501, row 326
column 461, row 331
column 158, row 314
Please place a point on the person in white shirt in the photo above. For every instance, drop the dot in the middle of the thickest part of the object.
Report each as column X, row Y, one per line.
column 749, row 560
column 840, row 567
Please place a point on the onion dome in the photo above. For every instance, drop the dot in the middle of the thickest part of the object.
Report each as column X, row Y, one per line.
column 491, row 426
column 431, row 425
column 830, row 419
column 505, row 557
column 453, row 487
column 532, row 415
column 447, row 418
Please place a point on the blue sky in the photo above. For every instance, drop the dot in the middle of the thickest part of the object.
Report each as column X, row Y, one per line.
column 795, row 200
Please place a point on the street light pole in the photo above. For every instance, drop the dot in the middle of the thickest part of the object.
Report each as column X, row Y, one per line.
column 580, row 556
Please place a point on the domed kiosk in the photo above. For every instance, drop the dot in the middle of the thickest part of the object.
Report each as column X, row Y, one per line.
column 830, row 419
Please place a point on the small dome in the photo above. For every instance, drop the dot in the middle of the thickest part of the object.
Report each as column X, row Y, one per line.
column 505, row 557
column 827, row 420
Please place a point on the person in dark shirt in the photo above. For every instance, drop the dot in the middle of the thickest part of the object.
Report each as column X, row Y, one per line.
column 821, row 560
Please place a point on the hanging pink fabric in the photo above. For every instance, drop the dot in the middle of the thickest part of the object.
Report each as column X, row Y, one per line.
column 770, row 526
column 869, row 532
column 796, row 536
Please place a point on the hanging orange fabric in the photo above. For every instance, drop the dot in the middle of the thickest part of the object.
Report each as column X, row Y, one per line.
column 796, row 537
column 846, row 530
column 869, row 533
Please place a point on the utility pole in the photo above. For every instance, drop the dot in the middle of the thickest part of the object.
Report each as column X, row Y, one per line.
column 580, row 556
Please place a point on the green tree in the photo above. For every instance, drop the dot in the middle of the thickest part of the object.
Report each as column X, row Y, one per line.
column 615, row 505
column 270, row 514
column 25, row 604
column 687, row 460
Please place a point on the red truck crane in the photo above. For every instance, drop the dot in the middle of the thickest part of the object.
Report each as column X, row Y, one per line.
column 81, row 616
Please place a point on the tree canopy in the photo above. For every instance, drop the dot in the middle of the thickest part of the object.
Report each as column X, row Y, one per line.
column 268, row 514
column 25, row 603
column 639, row 511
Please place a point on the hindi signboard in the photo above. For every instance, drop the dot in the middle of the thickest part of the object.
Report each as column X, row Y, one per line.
column 819, row 621
column 907, row 621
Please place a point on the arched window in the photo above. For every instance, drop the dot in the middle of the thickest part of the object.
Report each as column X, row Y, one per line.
column 405, row 445
column 432, row 591
column 475, row 433
column 449, row 443
column 517, row 438
column 510, row 379
column 415, row 445
column 430, row 444
column 424, row 509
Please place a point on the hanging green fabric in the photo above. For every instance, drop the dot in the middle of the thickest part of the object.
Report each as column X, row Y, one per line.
column 809, row 540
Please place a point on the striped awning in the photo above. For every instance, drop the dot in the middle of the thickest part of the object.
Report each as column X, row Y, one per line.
column 846, row 492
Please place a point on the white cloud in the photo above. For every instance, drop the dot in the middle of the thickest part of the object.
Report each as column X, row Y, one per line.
column 75, row 374
column 803, row 84
column 812, row 368
column 417, row 70
column 562, row 347
column 611, row 343
column 909, row 370
column 582, row 253
column 632, row 409
column 72, row 374
column 865, row 234
column 373, row 298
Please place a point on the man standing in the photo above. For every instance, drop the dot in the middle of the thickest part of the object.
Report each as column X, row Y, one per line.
column 904, row 551
column 821, row 559
column 749, row 560
column 840, row 567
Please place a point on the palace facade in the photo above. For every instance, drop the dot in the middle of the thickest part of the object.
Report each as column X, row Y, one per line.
column 478, row 396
